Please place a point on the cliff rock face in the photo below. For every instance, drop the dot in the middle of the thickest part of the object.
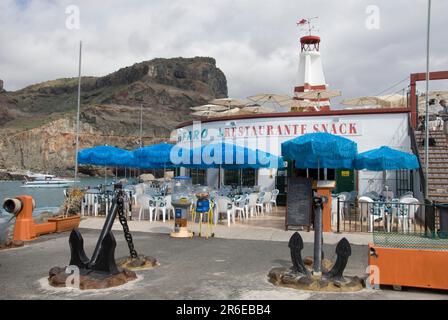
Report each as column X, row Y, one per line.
column 37, row 123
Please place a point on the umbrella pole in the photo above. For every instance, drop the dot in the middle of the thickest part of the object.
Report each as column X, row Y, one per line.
column 317, row 239
column 105, row 177
column 318, row 170
column 219, row 177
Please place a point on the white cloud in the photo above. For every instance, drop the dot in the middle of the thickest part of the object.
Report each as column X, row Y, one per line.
column 254, row 42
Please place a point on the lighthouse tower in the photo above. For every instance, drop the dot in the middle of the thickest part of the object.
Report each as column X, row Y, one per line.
column 311, row 74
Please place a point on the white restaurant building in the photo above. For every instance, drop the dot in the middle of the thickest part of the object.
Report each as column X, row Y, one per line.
column 369, row 128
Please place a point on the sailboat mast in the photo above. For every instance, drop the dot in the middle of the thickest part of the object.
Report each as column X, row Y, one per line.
column 77, row 114
column 141, row 125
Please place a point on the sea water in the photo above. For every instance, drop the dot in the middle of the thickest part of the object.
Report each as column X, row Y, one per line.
column 46, row 199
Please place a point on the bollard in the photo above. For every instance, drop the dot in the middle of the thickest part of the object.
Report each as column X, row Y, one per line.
column 318, row 204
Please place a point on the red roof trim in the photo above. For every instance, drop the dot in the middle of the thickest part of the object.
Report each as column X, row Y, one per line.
column 300, row 114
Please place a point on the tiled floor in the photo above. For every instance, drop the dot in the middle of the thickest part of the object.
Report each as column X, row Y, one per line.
column 263, row 227
column 274, row 219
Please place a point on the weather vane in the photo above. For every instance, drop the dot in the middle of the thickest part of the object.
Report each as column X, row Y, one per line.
column 306, row 24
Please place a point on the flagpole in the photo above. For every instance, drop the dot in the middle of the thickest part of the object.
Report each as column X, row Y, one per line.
column 141, row 125
column 77, row 114
column 141, row 132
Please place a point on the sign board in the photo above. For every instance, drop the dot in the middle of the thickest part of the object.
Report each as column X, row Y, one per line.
column 261, row 129
column 299, row 202
column 331, row 184
column 345, row 173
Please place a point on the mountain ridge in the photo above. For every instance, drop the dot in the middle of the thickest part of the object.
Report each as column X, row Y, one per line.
column 166, row 88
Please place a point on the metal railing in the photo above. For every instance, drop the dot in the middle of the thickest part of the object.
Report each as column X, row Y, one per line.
column 385, row 216
column 414, row 147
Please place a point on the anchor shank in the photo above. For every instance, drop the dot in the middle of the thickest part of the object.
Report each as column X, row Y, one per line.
column 107, row 227
column 318, row 203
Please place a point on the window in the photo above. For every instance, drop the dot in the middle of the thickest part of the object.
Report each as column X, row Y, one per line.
column 312, row 173
column 198, row 176
column 231, row 177
column 244, row 177
column 249, row 177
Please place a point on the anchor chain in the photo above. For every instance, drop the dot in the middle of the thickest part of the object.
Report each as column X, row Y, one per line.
column 124, row 224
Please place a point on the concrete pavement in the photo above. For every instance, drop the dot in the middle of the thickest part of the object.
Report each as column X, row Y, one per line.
column 240, row 231
column 195, row 268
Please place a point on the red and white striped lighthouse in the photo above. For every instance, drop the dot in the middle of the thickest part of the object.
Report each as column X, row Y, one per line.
column 311, row 74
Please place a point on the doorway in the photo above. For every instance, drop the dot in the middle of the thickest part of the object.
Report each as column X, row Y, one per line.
column 345, row 180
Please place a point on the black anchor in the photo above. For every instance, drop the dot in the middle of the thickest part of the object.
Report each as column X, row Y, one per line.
column 103, row 258
column 296, row 246
column 343, row 251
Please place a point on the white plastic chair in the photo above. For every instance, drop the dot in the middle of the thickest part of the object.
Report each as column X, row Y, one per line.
column 139, row 189
column 90, row 202
column 161, row 206
column 240, row 207
column 166, row 208
column 365, row 209
column 147, row 203
column 260, row 203
column 225, row 205
column 406, row 213
column 84, row 204
column 267, row 202
column 273, row 200
column 252, row 204
column 96, row 201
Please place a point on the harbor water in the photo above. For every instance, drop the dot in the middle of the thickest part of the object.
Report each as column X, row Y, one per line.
column 48, row 199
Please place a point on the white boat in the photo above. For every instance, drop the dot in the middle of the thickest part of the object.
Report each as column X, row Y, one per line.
column 39, row 176
column 48, row 182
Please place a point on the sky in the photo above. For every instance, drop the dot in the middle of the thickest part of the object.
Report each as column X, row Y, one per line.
column 255, row 43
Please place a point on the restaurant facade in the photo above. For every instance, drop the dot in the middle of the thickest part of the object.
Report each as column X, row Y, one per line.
column 369, row 128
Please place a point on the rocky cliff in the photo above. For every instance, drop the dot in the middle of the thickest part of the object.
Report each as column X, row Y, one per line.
column 37, row 123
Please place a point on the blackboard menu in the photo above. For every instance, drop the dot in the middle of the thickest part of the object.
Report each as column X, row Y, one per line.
column 299, row 202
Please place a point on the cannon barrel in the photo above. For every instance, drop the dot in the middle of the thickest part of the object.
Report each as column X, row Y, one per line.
column 15, row 205
column 12, row 205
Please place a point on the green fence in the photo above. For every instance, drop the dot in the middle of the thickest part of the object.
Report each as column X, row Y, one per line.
column 412, row 240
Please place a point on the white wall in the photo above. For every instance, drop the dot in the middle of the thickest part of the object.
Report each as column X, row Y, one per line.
column 310, row 69
column 212, row 178
column 266, row 179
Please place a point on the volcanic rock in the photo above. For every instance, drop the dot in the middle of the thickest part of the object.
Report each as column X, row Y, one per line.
column 37, row 123
column 58, row 276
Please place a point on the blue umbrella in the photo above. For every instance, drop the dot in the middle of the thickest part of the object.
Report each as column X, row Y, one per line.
column 320, row 144
column 105, row 156
column 320, row 150
column 155, row 156
column 385, row 158
column 224, row 155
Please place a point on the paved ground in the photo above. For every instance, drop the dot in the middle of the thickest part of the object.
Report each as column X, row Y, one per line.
column 257, row 228
column 190, row 269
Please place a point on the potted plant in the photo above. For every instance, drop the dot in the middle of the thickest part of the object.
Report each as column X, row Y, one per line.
column 69, row 217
